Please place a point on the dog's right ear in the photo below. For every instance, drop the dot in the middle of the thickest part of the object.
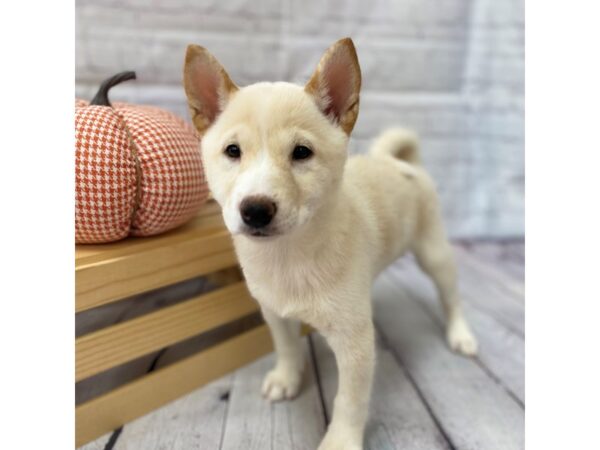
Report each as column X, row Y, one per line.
column 335, row 85
column 207, row 86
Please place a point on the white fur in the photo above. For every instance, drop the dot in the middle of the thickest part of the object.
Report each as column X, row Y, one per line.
column 339, row 223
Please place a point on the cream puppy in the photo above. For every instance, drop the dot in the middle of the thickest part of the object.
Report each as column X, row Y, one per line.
column 312, row 228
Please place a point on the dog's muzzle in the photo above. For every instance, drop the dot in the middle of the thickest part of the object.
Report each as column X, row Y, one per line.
column 257, row 213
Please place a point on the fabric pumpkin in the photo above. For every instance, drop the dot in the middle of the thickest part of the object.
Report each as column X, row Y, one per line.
column 137, row 169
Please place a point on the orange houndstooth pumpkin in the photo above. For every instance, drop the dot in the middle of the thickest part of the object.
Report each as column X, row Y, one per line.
column 137, row 169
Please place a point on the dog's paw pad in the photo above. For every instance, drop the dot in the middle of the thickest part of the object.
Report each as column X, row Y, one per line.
column 461, row 339
column 281, row 384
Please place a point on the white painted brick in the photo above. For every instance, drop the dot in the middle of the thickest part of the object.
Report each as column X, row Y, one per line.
column 497, row 14
column 390, row 66
column 429, row 115
column 177, row 19
column 158, row 58
column 452, row 70
column 421, row 19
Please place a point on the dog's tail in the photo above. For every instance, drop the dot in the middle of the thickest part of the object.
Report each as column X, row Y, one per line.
column 398, row 143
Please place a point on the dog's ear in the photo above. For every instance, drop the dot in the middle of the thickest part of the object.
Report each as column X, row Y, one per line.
column 335, row 84
column 207, row 86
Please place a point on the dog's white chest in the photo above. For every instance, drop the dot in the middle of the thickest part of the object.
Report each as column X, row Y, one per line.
column 290, row 288
column 279, row 290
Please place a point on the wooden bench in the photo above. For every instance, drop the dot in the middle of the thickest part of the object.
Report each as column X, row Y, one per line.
column 112, row 272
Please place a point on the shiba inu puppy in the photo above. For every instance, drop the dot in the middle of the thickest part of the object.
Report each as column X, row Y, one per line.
column 312, row 228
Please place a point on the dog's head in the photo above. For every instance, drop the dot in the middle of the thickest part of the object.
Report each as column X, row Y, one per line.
column 273, row 152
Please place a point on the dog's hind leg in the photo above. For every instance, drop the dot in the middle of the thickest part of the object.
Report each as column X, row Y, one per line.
column 435, row 257
column 283, row 382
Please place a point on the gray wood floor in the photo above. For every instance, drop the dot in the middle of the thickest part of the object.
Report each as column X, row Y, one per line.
column 424, row 396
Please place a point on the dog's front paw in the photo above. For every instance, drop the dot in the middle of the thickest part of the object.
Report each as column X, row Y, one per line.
column 282, row 383
column 339, row 439
column 460, row 338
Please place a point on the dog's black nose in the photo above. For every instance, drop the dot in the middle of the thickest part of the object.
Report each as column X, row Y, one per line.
column 258, row 211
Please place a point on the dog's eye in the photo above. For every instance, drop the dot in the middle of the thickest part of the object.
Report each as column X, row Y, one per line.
column 301, row 152
column 233, row 151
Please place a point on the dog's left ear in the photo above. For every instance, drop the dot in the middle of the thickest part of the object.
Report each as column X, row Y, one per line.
column 335, row 84
column 207, row 86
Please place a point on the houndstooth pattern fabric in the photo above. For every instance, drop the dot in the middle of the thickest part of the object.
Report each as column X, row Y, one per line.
column 172, row 184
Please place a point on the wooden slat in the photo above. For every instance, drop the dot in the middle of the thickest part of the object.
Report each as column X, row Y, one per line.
column 117, row 344
column 255, row 424
column 208, row 217
column 135, row 399
column 398, row 418
column 108, row 281
column 98, row 444
column 107, row 273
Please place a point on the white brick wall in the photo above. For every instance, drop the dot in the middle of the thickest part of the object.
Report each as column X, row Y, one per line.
column 451, row 69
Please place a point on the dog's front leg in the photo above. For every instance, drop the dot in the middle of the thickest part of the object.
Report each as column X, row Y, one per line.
column 354, row 349
column 285, row 379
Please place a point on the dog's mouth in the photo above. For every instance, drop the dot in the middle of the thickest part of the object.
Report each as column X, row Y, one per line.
column 261, row 234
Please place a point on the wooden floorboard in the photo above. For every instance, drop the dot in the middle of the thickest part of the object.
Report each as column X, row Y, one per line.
column 501, row 297
column 492, row 271
column 398, row 418
column 487, row 294
column 502, row 251
column 424, row 396
column 472, row 408
column 253, row 423
column 195, row 421
column 502, row 350
column 506, row 257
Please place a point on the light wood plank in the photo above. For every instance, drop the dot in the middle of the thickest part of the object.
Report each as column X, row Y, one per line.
column 117, row 344
column 110, row 280
column 135, row 399
column 118, row 312
column 100, row 384
column 398, row 418
column 253, row 423
column 208, row 217
column 195, row 421
column 501, row 350
column 147, row 302
column 97, row 444
column 474, row 411
column 111, row 272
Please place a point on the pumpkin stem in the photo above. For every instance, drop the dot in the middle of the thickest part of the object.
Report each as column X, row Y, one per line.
column 101, row 97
